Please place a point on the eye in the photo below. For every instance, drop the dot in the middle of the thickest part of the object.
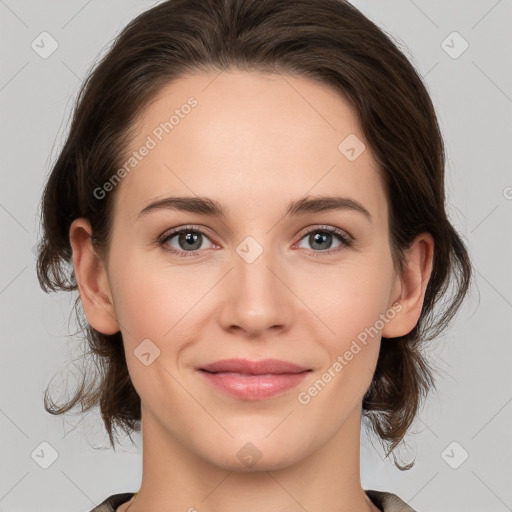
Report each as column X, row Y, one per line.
column 189, row 240
column 184, row 240
column 322, row 237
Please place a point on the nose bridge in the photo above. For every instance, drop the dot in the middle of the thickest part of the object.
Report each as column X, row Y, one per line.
column 259, row 299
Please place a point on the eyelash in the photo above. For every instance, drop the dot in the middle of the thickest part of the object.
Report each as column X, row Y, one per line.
column 345, row 240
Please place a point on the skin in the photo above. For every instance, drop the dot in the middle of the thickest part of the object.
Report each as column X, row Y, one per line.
column 255, row 142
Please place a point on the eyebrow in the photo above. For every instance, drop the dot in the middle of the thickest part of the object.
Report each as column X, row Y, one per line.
column 211, row 207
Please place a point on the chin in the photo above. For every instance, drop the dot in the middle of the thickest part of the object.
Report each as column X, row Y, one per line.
column 252, row 456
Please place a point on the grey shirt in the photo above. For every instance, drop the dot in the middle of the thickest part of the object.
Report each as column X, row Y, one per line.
column 386, row 501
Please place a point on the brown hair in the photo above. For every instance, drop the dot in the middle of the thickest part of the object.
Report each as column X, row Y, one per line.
column 329, row 41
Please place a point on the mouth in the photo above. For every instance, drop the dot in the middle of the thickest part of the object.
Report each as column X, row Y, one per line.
column 253, row 380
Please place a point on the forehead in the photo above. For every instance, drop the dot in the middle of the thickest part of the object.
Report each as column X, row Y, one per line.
column 247, row 137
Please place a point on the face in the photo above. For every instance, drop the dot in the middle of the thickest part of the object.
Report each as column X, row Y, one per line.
column 261, row 280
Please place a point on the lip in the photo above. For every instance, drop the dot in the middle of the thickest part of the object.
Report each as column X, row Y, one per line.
column 253, row 380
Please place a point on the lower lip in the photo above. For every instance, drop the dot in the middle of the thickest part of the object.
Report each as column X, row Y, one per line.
column 254, row 387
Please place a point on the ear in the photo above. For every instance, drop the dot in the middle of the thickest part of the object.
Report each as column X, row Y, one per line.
column 411, row 286
column 92, row 279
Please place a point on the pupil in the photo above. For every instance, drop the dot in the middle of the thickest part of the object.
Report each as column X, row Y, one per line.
column 190, row 239
column 319, row 238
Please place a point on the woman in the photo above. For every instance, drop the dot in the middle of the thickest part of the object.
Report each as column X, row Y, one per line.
column 252, row 199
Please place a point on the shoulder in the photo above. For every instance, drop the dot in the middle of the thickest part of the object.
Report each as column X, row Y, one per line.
column 112, row 502
column 388, row 502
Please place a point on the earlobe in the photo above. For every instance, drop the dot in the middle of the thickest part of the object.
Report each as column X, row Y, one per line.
column 413, row 284
column 92, row 279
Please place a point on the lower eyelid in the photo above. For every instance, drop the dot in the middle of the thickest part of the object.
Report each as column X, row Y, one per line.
column 169, row 236
column 344, row 239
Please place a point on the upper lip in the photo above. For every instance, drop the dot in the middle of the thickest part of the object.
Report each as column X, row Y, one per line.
column 262, row 367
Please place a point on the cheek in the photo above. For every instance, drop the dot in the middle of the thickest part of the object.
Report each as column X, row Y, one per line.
column 348, row 300
column 142, row 304
column 351, row 307
column 152, row 299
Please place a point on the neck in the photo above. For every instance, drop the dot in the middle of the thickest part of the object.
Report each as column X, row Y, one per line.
column 175, row 477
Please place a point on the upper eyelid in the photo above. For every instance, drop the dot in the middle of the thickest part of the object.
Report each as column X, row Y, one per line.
column 167, row 235
column 325, row 227
column 176, row 231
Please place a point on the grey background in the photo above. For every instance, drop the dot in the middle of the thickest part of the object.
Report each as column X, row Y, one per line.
column 473, row 97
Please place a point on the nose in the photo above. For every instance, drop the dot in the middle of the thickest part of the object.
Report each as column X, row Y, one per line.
column 258, row 298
